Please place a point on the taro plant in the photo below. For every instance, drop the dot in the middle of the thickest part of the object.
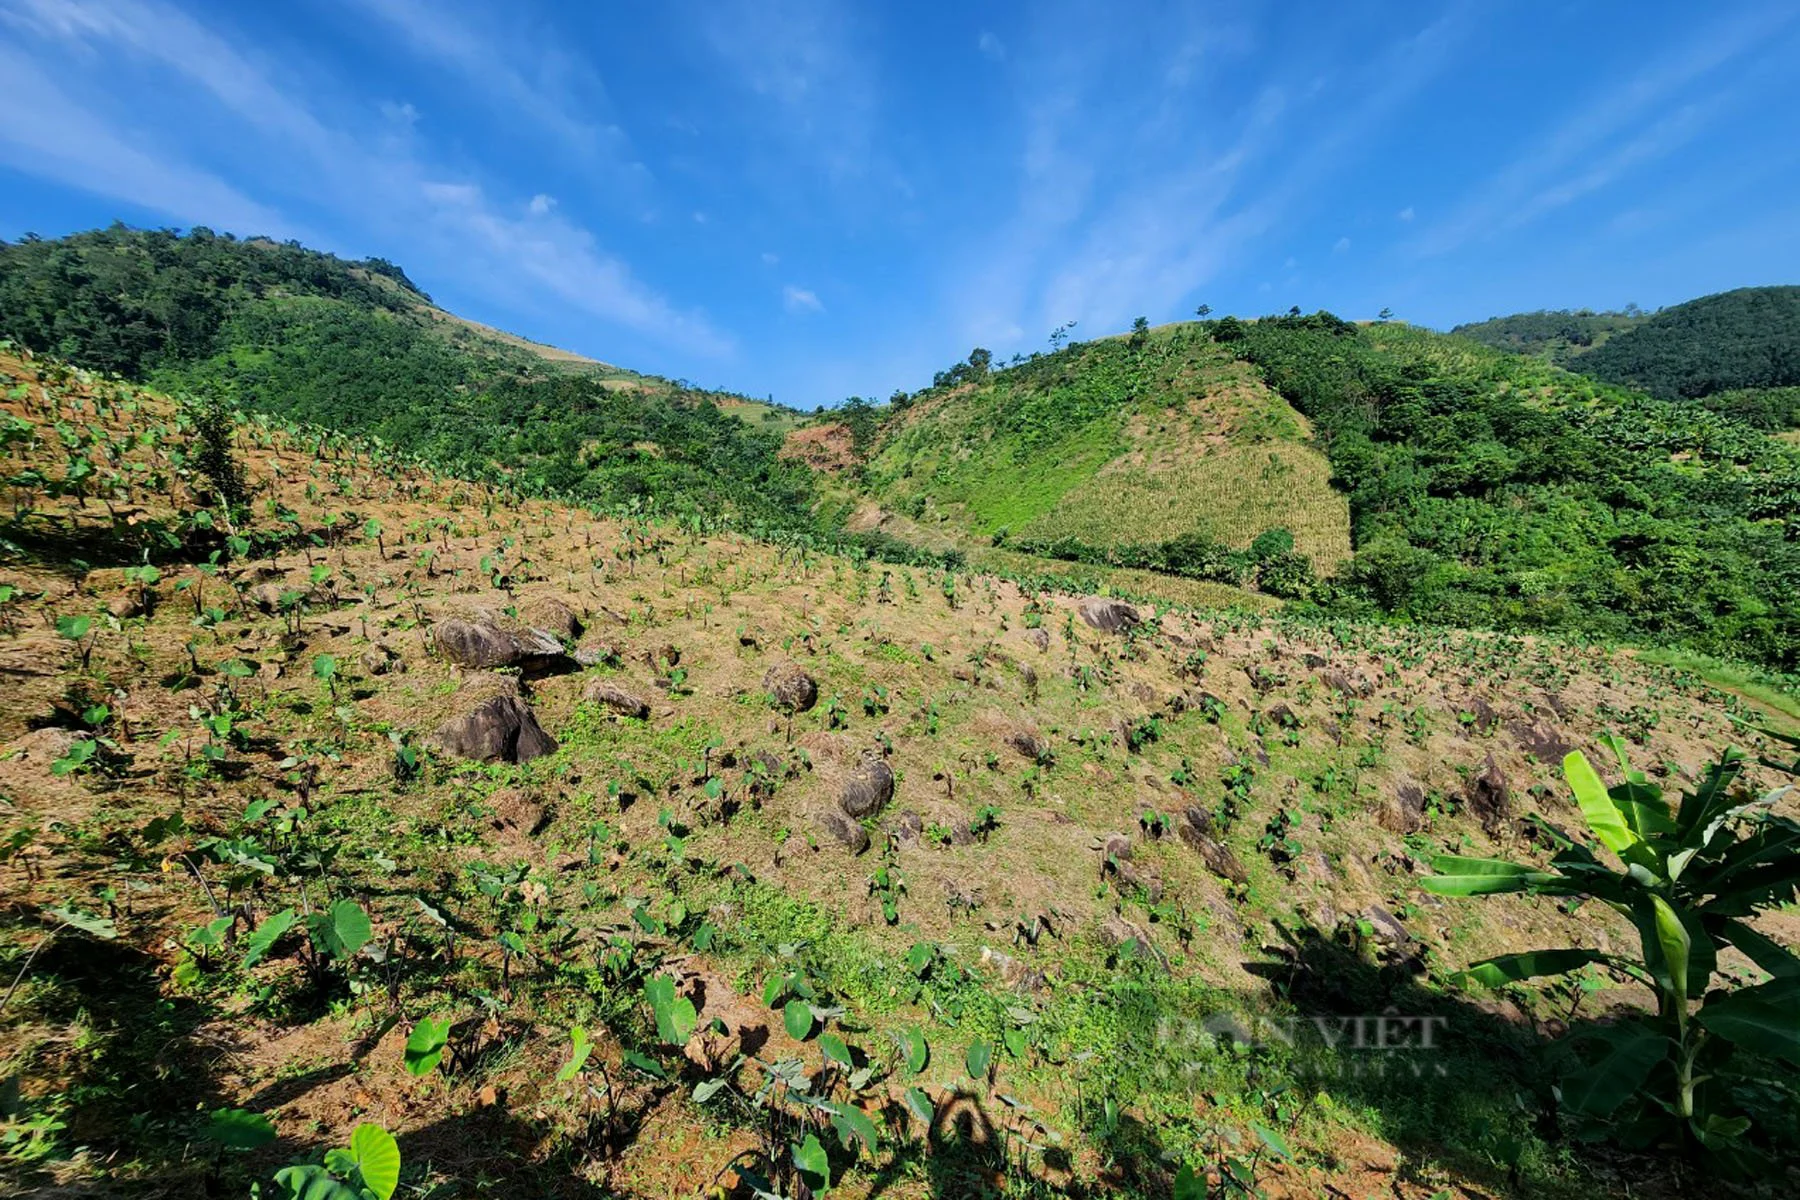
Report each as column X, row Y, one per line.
column 1699, row 1073
column 368, row 1169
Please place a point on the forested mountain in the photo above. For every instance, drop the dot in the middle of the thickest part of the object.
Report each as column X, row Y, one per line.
column 1749, row 338
column 1477, row 488
column 1743, row 342
column 1156, row 450
column 355, row 346
column 1490, row 489
column 1556, row 335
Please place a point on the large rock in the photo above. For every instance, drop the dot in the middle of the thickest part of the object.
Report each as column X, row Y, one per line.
column 482, row 645
column 793, row 689
column 1109, row 616
column 1195, row 829
column 610, row 695
column 553, row 616
column 847, row 833
column 868, row 789
column 502, row 729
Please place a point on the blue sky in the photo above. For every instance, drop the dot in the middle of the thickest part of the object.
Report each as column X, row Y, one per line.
column 814, row 198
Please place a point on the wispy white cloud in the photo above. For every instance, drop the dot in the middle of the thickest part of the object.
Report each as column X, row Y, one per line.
column 1572, row 159
column 1341, row 246
column 991, row 47
column 563, row 259
column 1219, row 182
column 800, row 300
column 367, row 178
column 1405, row 214
column 803, row 59
column 519, row 66
column 47, row 133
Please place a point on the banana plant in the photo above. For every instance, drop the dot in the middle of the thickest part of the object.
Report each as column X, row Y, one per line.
column 1689, row 879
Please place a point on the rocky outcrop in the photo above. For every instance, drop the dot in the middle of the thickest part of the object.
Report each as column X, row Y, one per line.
column 610, row 695
column 868, row 789
column 501, row 729
column 1109, row 616
column 483, row 646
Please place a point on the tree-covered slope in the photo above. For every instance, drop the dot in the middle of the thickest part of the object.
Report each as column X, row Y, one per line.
column 356, row 347
column 1748, row 338
column 1555, row 335
column 1737, row 340
column 1494, row 490
column 1153, row 450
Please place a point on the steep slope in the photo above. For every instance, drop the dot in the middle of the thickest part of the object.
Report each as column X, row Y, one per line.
column 1107, row 451
column 356, row 347
column 1489, row 489
column 251, row 858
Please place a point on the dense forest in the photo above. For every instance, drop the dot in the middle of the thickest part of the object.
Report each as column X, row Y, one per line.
column 1749, row 338
column 355, row 346
column 1492, row 490
column 1742, row 341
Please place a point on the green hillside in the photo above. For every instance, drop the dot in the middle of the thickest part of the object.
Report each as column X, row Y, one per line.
column 356, row 347
column 1495, row 490
column 1555, row 335
column 1748, row 338
column 1154, row 450
column 1742, row 347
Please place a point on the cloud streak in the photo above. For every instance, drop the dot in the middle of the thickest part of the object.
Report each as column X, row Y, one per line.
column 357, row 177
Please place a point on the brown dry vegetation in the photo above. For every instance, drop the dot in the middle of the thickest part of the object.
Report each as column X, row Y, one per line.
column 1381, row 745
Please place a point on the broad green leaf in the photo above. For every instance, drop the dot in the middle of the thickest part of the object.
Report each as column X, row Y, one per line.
column 1458, row 876
column 853, row 1126
column 313, row 1183
column 341, row 930
column 1764, row 1020
column 1630, row 1051
column 88, row 923
column 1273, row 1141
column 239, row 1129
column 259, row 943
column 1512, row 968
column 814, row 1166
column 377, row 1158
column 1597, row 807
column 833, row 1047
column 1672, row 934
column 798, row 1017
column 1188, row 1185
column 647, row 1065
column 1015, row 1042
column 675, row 1015
column 425, row 1045
column 980, row 1056
column 706, row 1089
column 578, row 1054
column 918, row 1050
column 1765, row 952
column 920, row 1105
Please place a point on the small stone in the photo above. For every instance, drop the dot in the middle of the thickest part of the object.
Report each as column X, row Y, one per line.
column 609, row 695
